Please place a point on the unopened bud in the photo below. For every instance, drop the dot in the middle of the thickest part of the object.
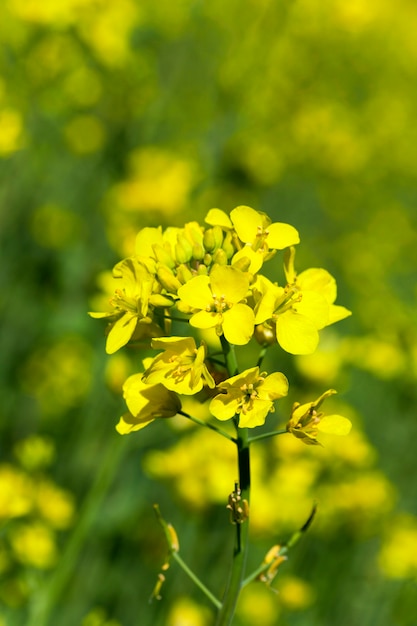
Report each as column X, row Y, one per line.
column 265, row 335
column 168, row 279
column 202, row 270
column 183, row 250
column 220, row 257
column 198, row 252
column 184, row 274
column 228, row 246
column 163, row 256
column 209, row 240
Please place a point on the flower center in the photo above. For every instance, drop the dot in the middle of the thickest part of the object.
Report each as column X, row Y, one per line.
column 219, row 304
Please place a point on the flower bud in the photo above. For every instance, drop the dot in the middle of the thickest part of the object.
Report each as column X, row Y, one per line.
column 209, row 241
column 183, row 249
column 228, row 246
column 184, row 274
column 168, row 279
column 207, row 259
column 220, row 257
column 202, row 270
column 265, row 335
column 198, row 252
column 163, row 256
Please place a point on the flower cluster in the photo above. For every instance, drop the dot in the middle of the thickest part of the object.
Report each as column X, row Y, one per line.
column 210, row 278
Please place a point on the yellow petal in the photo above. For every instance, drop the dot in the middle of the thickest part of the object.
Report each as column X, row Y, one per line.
column 196, row 292
column 239, row 324
column 337, row 313
column 246, row 222
column 314, row 306
column 296, row 334
column 217, row 217
column 146, row 238
column 205, row 319
column 335, row 425
column 257, row 416
column 255, row 259
column 319, row 280
column 121, row 332
column 229, row 282
column 128, row 424
column 282, row 236
column 275, row 386
column 224, row 406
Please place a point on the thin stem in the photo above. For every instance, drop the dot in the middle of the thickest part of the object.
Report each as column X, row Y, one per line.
column 196, row 580
column 284, row 548
column 262, row 568
column 196, row 420
column 234, row 585
column 262, row 355
column 229, row 356
column 283, row 431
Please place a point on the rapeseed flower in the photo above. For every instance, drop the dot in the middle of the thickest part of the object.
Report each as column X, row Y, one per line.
column 133, row 305
column 217, row 301
column 180, row 367
column 306, row 422
column 254, row 235
column 250, row 395
column 300, row 309
column 145, row 403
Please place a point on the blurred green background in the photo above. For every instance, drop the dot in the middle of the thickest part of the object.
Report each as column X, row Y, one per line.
column 115, row 115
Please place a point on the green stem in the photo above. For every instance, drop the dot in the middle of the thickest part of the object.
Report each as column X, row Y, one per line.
column 196, row 420
column 196, row 580
column 229, row 356
column 262, row 356
column 295, row 537
column 234, row 585
column 283, row 431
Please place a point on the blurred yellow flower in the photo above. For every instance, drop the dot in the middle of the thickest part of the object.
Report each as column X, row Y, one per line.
column 16, row 492
column 34, row 544
column 11, row 131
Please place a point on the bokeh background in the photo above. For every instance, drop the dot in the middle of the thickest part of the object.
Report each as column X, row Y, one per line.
column 115, row 115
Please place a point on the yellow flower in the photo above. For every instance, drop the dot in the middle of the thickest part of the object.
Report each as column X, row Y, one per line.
column 145, row 403
column 216, row 302
column 249, row 395
column 255, row 230
column 180, row 367
column 306, row 422
column 133, row 305
column 299, row 310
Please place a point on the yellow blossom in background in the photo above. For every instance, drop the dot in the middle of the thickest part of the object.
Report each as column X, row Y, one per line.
column 16, row 489
column 250, row 395
column 11, row 131
column 35, row 452
column 34, row 544
column 180, row 367
column 398, row 554
column 55, row 505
